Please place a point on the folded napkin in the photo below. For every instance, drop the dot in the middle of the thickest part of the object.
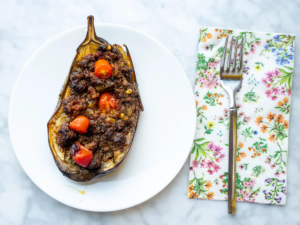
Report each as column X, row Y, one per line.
column 263, row 118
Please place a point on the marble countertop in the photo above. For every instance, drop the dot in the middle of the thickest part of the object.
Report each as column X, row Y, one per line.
column 26, row 25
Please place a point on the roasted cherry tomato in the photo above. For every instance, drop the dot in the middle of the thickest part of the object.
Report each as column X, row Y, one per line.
column 80, row 124
column 81, row 155
column 103, row 69
column 107, row 102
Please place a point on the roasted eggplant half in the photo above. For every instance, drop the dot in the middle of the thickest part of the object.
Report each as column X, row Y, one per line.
column 96, row 117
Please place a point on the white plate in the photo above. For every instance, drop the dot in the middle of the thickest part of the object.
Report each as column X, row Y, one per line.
column 162, row 141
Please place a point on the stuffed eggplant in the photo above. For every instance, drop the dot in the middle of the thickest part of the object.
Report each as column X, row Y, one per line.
column 94, row 123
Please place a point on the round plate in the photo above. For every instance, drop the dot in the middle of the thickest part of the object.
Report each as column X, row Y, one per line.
column 164, row 135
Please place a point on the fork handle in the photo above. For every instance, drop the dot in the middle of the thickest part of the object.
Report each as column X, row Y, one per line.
column 232, row 161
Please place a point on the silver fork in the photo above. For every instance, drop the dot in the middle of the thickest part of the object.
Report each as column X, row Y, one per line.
column 231, row 80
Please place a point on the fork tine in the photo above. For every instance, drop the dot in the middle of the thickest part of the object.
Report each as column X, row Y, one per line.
column 229, row 56
column 223, row 56
column 241, row 54
column 235, row 53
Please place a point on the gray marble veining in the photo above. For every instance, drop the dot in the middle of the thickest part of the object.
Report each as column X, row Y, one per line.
column 26, row 25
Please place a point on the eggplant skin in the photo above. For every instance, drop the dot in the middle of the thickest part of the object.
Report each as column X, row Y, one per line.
column 62, row 158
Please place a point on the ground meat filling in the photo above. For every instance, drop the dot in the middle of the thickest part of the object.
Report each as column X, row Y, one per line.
column 93, row 93
column 119, row 139
column 109, row 134
column 65, row 136
column 96, row 161
column 79, row 85
column 120, row 124
column 92, row 145
column 103, row 136
column 75, row 104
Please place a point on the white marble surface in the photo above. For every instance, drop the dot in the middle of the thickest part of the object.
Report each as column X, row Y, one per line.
column 26, row 25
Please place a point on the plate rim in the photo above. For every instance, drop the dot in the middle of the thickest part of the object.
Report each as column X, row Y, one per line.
column 13, row 96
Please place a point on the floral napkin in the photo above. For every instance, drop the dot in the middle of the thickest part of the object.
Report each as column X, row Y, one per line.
column 263, row 118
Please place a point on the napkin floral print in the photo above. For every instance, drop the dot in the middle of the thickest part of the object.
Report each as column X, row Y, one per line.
column 263, row 105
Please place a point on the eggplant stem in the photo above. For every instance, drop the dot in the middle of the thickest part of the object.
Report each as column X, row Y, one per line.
column 91, row 33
